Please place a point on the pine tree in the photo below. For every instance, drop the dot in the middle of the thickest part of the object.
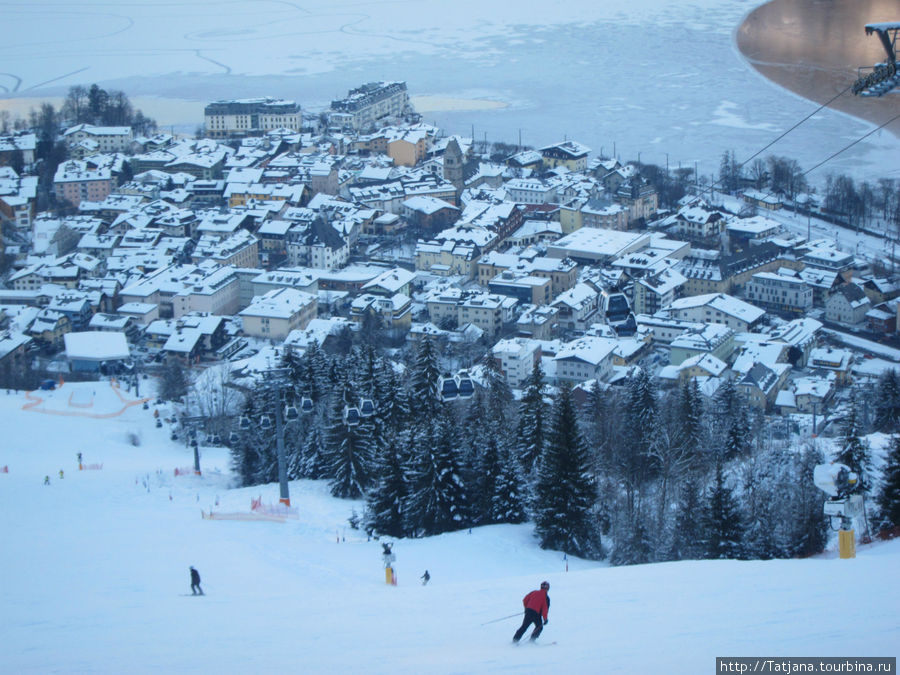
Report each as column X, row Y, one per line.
column 509, row 498
column 854, row 449
column 487, row 476
column 887, row 402
column 732, row 421
column 889, row 497
column 722, row 523
column 809, row 533
column 423, row 384
column 690, row 426
column 385, row 500
column 565, row 494
column 349, row 453
column 437, row 500
column 530, row 431
column 687, row 542
column 499, row 396
column 634, row 459
column 314, row 462
column 174, row 382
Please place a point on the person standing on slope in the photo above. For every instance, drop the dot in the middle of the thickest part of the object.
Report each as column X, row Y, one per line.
column 537, row 604
column 195, row 582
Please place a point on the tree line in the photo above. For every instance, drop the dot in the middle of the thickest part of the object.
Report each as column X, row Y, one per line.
column 632, row 472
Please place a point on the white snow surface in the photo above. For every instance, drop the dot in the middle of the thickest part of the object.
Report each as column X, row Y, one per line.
column 95, row 577
column 657, row 79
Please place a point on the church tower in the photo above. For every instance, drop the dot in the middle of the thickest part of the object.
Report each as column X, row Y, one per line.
column 453, row 166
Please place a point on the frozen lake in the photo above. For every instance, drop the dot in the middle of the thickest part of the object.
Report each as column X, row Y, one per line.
column 656, row 79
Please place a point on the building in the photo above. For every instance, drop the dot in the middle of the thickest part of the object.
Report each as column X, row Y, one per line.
column 780, row 292
column 516, row 358
column 761, row 384
column 76, row 181
column 529, row 191
column 738, row 315
column 847, row 305
column 18, row 197
column 393, row 313
column 96, row 351
column 569, row 154
column 830, row 360
column 14, row 357
column 251, row 116
column 577, row 307
column 593, row 213
column 369, row 103
column 587, row 358
column 653, row 292
column 278, row 312
column 538, row 323
column 713, row 339
column 594, row 246
column 486, row 311
column 107, row 139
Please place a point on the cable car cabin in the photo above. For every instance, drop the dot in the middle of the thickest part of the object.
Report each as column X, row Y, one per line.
column 306, row 405
column 233, row 438
column 265, row 422
column 448, row 390
column 244, row 422
column 291, row 413
column 884, row 77
column 615, row 308
column 464, row 384
column 351, row 416
column 366, row 407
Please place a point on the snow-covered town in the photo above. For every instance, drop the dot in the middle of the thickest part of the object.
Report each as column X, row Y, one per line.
column 362, row 381
column 362, row 223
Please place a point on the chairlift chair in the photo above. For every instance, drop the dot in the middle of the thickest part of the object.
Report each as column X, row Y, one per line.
column 465, row 385
column 448, row 389
column 351, row 416
column 366, row 407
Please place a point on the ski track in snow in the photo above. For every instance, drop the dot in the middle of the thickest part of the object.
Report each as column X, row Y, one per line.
column 95, row 564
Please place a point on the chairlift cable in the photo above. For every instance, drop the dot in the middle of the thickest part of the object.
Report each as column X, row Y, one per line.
column 814, row 112
column 850, row 145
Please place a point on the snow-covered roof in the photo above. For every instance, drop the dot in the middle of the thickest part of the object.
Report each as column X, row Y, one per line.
column 96, row 346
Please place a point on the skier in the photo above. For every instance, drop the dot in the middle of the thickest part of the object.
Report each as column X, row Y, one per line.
column 61, row 474
column 425, row 577
column 537, row 604
column 46, row 480
column 195, row 582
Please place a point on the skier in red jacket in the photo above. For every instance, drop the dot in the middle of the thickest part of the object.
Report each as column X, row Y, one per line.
column 537, row 604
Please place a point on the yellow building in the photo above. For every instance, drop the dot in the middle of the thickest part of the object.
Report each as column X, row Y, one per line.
column 569, row 154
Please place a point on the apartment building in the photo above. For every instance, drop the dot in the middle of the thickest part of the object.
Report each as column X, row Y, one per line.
column 250, row 116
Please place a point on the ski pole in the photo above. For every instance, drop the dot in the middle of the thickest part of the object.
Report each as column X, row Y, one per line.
column 502, row 618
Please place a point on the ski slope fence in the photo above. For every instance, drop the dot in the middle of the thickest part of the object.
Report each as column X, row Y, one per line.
column 252, row 516
column 90, row 467
column 282, row 510
column 185, row 471
column 35, row 401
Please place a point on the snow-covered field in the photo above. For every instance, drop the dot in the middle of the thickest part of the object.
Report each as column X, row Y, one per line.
column 655, row 79
column 95, row 572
